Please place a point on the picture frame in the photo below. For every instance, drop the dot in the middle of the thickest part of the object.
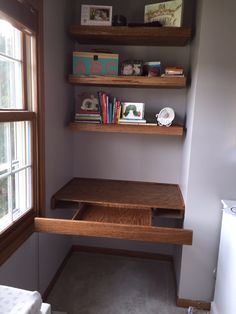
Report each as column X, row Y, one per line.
column 97, row 15
column 86, row 103
column 168, row 13
column 132, row 68
column 132, row 110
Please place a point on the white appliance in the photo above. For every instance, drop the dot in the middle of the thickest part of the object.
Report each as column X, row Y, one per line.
column 225, row 289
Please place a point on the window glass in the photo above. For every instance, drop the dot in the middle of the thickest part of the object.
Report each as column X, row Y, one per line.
column 15, row 171
column 11, row 74
column 11, row 89
column 3, row 197
column 10, row 40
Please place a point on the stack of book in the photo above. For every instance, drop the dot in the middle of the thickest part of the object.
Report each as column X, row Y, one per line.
column 109, row 108
column 87, row 109
column 85, row 116
column 132, row 121
column 173, row 72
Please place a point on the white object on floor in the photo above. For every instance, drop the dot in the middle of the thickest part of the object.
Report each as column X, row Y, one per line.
column 18, row 301
column 224, row 298
column 45, row 308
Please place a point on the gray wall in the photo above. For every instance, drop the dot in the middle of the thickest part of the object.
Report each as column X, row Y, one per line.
column 58, row 139
column 21, row 269
column 211, row 162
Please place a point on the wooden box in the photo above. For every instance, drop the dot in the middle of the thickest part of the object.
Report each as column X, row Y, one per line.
column 90, row 63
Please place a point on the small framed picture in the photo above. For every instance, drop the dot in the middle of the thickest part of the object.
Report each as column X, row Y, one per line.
column 86, row 103
column 96, row 15
column 132, row 68
column 133, row 110
column 168, row 13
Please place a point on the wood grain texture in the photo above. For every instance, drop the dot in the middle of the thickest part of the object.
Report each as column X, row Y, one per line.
column 129, row 81
column 173, row 130
column 16, row 115
column 127, row 216
column 79, row 212
column 201, row 305
column 132, row 194
column 139, row 36
column 115, row 231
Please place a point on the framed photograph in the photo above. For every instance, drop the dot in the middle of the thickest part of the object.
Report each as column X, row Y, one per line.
column 132, row 110
column 168, row 13
column 96, row 15
column 132, row 68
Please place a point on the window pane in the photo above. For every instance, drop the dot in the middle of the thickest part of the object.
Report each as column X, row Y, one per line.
column 15, row 171
column 11, row 89
column 10, row 40
column 3, row 145
column 20, row 139
column 21, row 190
column 15, row 146
column 15, row 196
column 3, row 197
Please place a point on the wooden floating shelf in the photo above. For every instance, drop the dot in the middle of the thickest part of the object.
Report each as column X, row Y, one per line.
column 126, row 128
column 124, row 35
column 114, row 231
column 130, row 81
column 115, row 193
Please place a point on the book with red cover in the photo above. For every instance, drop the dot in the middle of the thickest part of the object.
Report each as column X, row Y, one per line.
column 104, row 108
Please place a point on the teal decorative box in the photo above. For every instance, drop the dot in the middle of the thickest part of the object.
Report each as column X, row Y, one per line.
column 90, row 63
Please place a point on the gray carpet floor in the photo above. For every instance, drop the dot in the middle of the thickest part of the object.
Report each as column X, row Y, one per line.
column 105, row 284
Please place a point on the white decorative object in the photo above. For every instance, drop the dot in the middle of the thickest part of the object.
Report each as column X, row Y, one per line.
column 165, row 117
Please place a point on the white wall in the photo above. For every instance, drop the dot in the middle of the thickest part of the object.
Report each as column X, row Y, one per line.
column 212, row 171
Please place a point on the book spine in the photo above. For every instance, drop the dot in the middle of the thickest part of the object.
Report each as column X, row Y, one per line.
column 107, row 109
column 100, row 105
column 113, row 109
column 118, row 111
column 104, row 109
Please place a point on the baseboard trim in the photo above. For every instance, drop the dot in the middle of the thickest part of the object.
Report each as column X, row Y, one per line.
column 56, row 276
column 119, row 252
column 201, row 305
